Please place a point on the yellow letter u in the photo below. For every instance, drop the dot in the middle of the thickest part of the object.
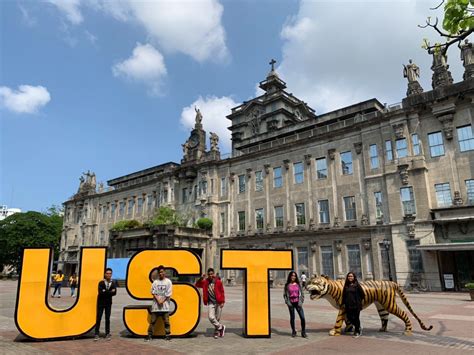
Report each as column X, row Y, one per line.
column 33, row 315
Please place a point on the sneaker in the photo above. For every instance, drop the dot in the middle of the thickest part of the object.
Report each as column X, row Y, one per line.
column 96, row 338
column 216, row 334
column 108, row 337
column 167, row 337
column 222, row 331
column 147, row 339
column 304, row 335
column 356, row 335
column 293, row 334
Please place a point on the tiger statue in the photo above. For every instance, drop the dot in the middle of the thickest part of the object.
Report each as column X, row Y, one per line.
column 381, row 293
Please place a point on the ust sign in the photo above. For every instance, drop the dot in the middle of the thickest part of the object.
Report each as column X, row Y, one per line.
column 36, row 319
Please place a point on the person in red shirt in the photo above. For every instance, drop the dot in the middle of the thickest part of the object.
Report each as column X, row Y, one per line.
column 213, row 297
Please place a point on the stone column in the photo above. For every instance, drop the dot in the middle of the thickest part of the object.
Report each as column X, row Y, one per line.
column 134, row 198
column 366, row 243
column 340, row 270
column 308, row 173
column 314, row 259
column 360, row 163
column 286, row 181
column 266, row 187
column 250, row 213
column 231, row 197
column 332, row 170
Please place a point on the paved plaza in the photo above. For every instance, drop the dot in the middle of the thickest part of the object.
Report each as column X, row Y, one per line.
column 451, row 314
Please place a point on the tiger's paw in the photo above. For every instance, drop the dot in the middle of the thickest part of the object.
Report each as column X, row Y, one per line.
column 408, row 333
column 334, row 332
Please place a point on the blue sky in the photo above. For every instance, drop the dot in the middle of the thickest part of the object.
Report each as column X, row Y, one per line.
column 87, row 84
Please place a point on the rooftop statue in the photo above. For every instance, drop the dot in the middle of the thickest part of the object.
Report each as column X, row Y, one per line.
column 467, row 58
column 441, row 74
column 214, row 138
column 185, row 148
column 412, row 73
column 198, row 115
column 466, row 53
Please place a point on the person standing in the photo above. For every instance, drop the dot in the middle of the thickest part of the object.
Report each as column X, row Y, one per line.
column 214, row 298
column 57, row 283
column 294, row 298
column 352, row 298
column 161, row 290
column 303, row 280
column 107, row 289
column 73, row 283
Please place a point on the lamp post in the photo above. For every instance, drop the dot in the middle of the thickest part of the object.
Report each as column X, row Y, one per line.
column 386, row 244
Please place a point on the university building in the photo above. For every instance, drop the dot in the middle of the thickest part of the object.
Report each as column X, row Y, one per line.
column 384, row 191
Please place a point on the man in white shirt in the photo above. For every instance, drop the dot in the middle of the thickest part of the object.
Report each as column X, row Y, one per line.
column 161, row 290
column 303, row 280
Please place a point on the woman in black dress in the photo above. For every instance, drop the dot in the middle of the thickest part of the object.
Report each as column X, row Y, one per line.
column 352, row 297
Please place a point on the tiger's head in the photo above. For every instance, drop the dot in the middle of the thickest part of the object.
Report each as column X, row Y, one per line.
column 317, row 286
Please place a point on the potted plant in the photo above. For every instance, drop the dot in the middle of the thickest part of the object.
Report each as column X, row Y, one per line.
column 204, row 223
column 470, row 287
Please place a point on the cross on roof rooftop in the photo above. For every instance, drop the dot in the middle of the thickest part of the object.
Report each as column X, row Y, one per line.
column 272, row 63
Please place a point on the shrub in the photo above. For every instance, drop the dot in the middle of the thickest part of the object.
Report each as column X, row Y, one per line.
column 469, row 285
column 204, row 223
column 125, row 224
column 166, row 215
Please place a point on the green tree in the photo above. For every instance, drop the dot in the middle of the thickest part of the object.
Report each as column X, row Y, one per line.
column 30, row 229
column 166, row 215
column 54, row 210
column 458, row 24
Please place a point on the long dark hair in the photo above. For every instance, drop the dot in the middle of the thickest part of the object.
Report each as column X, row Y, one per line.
column 355, row 282
column 288, row 280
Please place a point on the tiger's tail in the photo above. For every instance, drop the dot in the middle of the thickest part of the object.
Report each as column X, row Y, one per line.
column 407, row 304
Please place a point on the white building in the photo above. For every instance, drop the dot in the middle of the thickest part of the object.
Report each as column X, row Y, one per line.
column 5, row 211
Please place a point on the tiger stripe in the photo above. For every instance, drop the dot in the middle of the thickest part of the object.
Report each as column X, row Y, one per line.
column 381, row 293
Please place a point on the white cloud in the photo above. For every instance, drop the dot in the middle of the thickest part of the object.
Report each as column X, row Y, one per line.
column 70, row 8
column 27, row 99
column 193, row 28
column 339, row 53
column 146, row 65
column 214, row 111
column 26, row 17
column 92, row 38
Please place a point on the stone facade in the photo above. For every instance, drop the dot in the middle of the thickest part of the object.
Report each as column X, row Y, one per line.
column 352, row 189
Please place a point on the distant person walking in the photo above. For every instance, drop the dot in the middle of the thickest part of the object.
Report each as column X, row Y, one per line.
column 352, row 297
column 294, row 298
column 303, row 280
column 57, row 283
column 107, row 289
column 73, row 284
column 161, row 290
column 214, row 298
